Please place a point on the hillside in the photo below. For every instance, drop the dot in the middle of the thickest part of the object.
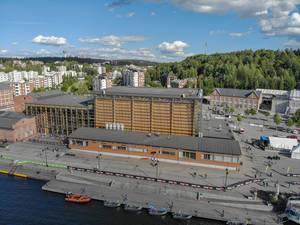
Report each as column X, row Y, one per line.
column 120, row 62
column 245, row 69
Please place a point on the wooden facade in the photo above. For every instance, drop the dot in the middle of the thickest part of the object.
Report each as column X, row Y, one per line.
column 163, row 154
column 149, row 114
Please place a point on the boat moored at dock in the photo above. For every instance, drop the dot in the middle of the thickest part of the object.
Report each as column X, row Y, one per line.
column 134, row 208
column 157, row 211
column 181, row 216
column 78, row 198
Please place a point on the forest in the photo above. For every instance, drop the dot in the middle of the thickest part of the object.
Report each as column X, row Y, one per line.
column 247, row 69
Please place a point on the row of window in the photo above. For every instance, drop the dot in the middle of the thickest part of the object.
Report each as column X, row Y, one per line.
column 164, row 151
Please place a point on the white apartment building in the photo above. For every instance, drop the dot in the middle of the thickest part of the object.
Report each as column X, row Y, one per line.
column 133, row 78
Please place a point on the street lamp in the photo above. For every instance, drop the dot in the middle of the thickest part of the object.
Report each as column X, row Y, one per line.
column 154, row 163
column 98, row 158
column 46, row 158
column 226, row 176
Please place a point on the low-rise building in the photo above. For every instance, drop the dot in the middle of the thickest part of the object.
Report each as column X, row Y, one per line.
column 294, row 101
column 16, row 126
column 58, row 113
column 237, row 98
column 209, row 152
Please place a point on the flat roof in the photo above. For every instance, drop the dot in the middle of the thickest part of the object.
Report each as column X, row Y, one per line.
column 8, row 119
column 188, row 93
column 216, row 128
column 207, row 145
column 63, row 99
column 236, row 92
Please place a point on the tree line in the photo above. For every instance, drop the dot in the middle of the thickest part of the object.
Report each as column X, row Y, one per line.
column 247, row 69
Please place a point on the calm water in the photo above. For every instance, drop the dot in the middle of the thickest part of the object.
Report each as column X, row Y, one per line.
column 22, row 202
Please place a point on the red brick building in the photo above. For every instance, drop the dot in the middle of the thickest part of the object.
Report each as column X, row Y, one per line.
column 16, row 126
column 236, row 98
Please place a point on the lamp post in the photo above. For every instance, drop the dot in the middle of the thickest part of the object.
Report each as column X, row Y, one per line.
column 226, row 177
column 46, row 158
column 154, row 163
column 98, row 160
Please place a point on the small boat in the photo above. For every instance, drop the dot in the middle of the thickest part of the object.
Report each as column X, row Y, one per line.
column 132, row 207
column 157, row 211
column 181, row 216
column 78, row 198
column 112, row 204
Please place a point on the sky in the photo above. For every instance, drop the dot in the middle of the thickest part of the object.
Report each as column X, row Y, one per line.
column 155, row 30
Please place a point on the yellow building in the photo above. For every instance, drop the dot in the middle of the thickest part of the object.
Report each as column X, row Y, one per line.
column 152, row 110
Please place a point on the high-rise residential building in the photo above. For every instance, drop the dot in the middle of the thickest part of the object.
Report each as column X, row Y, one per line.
column 101, row 82
column 133, row 78
column 6, row 96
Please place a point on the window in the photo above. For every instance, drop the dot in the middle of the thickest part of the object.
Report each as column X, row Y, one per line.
column 106, row 146
column 122, row 148
column 227, row 159
column 189, row 155
column 207, row 157
column 218, row 158
column 137, row 149
column 164, row 152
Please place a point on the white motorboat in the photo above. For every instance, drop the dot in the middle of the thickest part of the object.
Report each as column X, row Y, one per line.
column 129, row 207
column 157, row 211
column 181, row 216
column 112, row 204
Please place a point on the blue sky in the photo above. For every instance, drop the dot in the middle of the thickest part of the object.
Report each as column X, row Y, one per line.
column 159, row 30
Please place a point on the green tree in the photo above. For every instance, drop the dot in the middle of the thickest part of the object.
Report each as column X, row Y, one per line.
column 290, row 122
column 277, row 119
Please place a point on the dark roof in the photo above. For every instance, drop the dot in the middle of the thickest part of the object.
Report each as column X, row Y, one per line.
column 216, row 128
column 46, row 94
column 62, row 99
column 210, row 145
column 236, row 92
column 4, row 85
column 151, row 92
column 8, row 119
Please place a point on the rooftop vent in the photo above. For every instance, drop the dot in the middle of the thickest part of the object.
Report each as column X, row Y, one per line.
column 149, row 135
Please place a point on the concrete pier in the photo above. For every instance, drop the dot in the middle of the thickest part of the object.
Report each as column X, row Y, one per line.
column 187, row 201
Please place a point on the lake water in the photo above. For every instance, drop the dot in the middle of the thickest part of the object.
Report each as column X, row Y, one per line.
column 22, row 202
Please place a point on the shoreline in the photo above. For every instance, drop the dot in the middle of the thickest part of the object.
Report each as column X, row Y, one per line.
column 103, row 188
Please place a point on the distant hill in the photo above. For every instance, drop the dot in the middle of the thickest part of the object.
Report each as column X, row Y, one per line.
column 243, row 69
column 90, row 60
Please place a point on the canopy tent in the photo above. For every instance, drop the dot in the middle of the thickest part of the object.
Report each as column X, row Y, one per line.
column 283, row 143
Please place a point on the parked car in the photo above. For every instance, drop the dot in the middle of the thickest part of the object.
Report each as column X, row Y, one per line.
column 292, row 136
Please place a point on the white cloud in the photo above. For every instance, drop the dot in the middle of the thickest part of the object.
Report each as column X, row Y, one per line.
column 49, row 40
column 217, row 32
column 239, row 34
column 3, row 51
column 43, row 52
column 112, row 40
column 292, row 43
column 14, row 43
column 130, row 14
column 275, row 18
column 176, row 47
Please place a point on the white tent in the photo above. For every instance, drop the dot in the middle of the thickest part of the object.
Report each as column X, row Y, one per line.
column 283, row 143
column 296, row 153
